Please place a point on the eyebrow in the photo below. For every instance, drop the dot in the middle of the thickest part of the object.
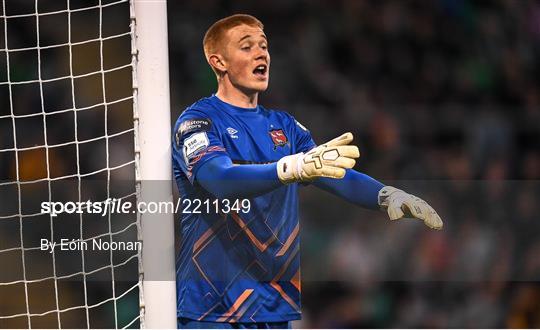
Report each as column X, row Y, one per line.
column 249, row 36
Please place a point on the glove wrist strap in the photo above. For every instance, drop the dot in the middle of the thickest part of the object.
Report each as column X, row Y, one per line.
column 384, row 194
column 288, row 168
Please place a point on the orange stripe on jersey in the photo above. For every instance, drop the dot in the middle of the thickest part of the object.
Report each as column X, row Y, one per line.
column 296, row 281
column 278, row 288
column 203, row 238
column 284, row 295
column 242, row 311
column 239, row 301
column 286, row 264
column 209, row 311
column 208, row 233
column 289, row 241
column 261, row 246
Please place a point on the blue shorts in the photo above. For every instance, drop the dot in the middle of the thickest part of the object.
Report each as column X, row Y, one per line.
column 184, row 323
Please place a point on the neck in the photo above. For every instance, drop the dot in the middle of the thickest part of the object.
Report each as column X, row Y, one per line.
column 236, row 97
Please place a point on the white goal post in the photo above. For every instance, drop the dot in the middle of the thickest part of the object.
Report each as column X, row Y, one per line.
column 153, row 108
column 85, row 116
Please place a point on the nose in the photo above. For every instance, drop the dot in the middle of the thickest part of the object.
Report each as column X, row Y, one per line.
column 262, row 54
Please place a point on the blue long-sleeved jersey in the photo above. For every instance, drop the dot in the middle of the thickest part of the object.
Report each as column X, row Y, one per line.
column 235, row 266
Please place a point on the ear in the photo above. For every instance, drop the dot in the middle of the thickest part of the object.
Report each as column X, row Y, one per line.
column 218, row 62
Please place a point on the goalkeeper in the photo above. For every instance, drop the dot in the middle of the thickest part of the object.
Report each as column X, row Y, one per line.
column 240, row 269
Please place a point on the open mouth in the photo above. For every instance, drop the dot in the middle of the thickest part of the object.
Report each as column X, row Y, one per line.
column 261, row 70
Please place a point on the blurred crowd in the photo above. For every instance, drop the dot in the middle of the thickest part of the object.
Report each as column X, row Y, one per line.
column 444, row 100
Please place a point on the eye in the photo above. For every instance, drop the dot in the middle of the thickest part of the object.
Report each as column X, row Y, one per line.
column 245, row 47
column 265, row 47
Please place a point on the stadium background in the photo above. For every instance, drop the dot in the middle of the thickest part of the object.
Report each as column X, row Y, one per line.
column 443, row 98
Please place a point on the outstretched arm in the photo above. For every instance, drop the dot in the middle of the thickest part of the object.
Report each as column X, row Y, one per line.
column 367, row 192
column 355, row 187
column 223, row 179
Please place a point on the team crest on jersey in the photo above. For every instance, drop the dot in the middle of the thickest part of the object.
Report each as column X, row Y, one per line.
column 278, row 137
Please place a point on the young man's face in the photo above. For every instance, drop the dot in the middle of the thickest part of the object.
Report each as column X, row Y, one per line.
column 247, row 58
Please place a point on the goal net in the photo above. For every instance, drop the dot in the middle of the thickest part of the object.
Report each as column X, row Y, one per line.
column 69, row 134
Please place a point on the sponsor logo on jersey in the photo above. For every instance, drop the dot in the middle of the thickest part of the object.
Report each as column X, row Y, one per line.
column 232, row 132
column 195, row 144
column 278, row 137
column 192, row 125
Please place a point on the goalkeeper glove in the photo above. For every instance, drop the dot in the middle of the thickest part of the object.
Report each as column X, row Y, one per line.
column 327, row 160
column 400, row 205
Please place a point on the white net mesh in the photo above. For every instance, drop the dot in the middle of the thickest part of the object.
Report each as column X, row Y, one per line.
column 66, row 135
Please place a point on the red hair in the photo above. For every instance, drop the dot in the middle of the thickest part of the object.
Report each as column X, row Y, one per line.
column 215, row 34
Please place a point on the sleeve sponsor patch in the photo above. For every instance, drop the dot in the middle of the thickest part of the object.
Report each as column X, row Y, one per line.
column 195, row 144
column 195, row 125
column 192, row 125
